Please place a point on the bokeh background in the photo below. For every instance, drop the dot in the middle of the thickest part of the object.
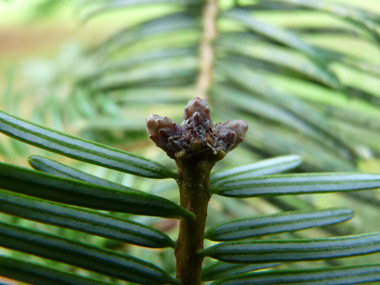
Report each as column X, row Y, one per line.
column 80, row 74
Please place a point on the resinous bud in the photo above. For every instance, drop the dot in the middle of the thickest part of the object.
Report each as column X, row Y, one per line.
column 231, row 133
column 196, row 136
column 197, row 105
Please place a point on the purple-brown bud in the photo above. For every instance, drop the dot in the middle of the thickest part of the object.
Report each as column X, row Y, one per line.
column 197, row 105
column 197, row 134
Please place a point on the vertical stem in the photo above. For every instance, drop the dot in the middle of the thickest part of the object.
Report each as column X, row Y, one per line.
column 207, row 53
column 193, row 185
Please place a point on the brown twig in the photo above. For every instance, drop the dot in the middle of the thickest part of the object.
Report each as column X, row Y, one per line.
column 193, row 185
column 206, row 52
column 195, row 145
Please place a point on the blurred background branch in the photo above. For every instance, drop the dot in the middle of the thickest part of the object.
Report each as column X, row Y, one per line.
column 206, row 49
column 303, row 74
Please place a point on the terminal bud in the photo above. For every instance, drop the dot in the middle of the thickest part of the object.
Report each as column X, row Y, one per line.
column 196, row 136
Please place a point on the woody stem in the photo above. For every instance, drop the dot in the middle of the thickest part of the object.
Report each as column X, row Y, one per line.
column 194, row 196
column 206, row 49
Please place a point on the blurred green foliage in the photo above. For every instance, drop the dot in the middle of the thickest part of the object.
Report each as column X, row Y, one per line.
column 309, row 86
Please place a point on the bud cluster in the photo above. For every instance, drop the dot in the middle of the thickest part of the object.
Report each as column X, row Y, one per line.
column 197, row 134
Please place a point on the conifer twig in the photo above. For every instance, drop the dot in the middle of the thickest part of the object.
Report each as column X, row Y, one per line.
column 206, row 49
